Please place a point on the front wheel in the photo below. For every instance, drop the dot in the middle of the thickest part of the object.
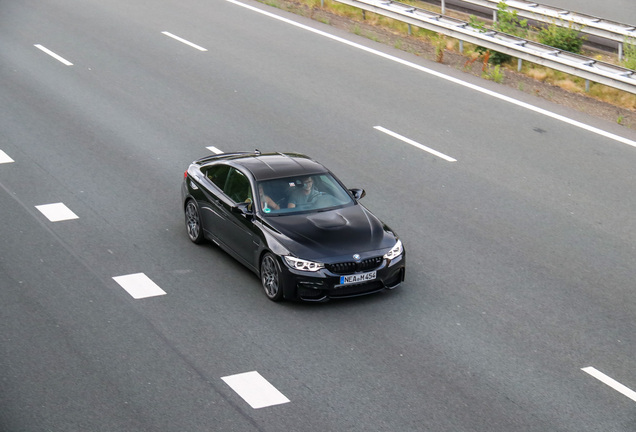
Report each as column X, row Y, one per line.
column 193, row 222
column 271, row 277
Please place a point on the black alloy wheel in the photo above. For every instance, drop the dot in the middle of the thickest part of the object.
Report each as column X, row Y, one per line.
column 193, row 222
column 271, row 277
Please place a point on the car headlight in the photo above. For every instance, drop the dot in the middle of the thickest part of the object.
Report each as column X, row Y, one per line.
column 301, row 264
column 395, row 251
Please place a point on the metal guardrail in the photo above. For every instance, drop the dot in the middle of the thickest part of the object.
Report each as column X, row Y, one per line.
column 573, row 64
column 589, row 24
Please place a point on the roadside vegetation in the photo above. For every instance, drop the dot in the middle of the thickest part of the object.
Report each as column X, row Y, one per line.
column 630, row 53
column 494, row 66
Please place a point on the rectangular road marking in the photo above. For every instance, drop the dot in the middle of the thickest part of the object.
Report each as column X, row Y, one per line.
column 255, row 389
column 184, row 41
column 214, row 150
column 138, row 285
column 4, row 158
column 56, row 212
column 415, row 144
column 611, row 382
column 52, row 54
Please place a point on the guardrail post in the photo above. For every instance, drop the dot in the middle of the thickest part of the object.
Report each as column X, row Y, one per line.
column 409, row 29
column 587, row 86
column 443, row 7
column 519, row 63
column 620, row 51
column 461, row 46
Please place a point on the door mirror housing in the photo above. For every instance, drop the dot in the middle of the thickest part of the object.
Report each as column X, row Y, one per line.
column 244, row 208
column 358, row 193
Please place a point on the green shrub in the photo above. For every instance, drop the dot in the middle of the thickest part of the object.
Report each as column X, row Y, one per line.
column 507, row 22
column 561, row 37
column 629, row 53
column 494, row 73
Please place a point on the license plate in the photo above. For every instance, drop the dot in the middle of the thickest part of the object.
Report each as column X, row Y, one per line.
column 357, row 278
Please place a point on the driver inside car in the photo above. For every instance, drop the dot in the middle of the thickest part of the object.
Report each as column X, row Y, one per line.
column 304, row 193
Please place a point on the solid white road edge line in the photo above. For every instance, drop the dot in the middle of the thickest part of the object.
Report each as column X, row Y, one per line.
column 610, row 382
column 183, row 41
column 52, row 54
column 255, row 389
column 446, row 77
column 415, row 144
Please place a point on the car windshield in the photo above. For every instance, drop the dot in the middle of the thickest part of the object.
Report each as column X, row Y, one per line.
column 298, row 194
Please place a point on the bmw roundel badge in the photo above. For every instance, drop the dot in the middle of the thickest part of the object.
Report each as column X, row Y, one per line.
column 356, row 257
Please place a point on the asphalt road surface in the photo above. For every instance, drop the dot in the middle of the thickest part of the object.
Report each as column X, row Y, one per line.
column 622, row 11
column 518, row 309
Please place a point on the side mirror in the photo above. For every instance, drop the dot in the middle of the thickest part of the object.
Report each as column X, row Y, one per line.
column 358, row 193
column 244, row 208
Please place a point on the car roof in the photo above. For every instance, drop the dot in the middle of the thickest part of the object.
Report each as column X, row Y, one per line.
column 268, row 166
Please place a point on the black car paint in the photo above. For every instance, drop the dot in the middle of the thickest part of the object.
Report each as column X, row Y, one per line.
column 336, row 233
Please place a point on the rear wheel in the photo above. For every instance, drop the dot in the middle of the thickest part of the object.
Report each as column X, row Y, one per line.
column 193, row 222
column 271, row 277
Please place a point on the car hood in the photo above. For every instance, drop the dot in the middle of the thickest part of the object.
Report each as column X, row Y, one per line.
column 333, row 233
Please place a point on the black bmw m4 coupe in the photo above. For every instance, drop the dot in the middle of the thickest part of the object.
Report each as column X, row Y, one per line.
column 292, row 222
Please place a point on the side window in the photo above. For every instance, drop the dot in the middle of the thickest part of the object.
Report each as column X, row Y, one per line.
column 218, row 175
column 237, row 186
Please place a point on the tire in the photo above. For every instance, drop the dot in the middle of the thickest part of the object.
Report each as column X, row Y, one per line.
column 271, row 277
column 193, row 222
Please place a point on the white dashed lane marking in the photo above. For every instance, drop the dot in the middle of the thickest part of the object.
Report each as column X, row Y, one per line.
column 4, row 158
column 415, row 144
column 610, row 382
column 184, row 41
column 255, row 390
column 138, row 285
column 56, row 212
column 214, row 150
column 52, row 54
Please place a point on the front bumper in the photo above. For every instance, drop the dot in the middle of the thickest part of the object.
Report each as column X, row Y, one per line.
column 324, row 285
